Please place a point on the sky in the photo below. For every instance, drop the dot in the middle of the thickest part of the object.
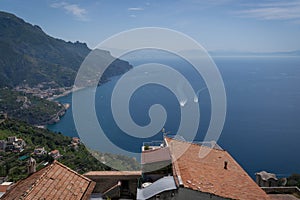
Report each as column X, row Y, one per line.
column 226, row 25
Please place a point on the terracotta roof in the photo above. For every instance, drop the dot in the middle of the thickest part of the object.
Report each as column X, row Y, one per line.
column 75, row 139
column 266, row 176
column 55, row 181
column 54, row 151
column 3, row 188
column 155, row 155
column 113, row 173
column 208, row 174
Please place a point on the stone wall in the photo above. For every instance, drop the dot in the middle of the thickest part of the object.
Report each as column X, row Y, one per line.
column 185, row 193
column 281, row 190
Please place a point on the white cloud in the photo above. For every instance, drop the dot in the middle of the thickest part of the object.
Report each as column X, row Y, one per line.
column 273, row 11
column 132, row 15
column 74, row 9
column 135, row 9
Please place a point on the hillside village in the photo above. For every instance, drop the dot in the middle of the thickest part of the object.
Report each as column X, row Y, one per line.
column 17, row 145
column 29, row 107
column 171, row 169
column 44, row 90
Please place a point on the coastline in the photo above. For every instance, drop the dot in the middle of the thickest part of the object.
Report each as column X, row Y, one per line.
column 56, row 118
column 67, row 92
column 74, row 89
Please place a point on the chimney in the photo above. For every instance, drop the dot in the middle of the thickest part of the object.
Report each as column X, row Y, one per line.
column 225, row 164
column 31, row 166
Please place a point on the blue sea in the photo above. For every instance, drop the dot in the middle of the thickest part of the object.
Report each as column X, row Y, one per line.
column 262, row 127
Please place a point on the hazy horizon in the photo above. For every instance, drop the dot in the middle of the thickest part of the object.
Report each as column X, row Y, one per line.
column 231, row 25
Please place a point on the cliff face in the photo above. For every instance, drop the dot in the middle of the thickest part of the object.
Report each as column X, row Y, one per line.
column 30, row 56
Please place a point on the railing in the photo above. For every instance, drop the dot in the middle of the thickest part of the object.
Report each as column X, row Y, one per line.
column 113, row 189
column 281, row 190
column 153, row 143
column 159, row 143
column 210, row 144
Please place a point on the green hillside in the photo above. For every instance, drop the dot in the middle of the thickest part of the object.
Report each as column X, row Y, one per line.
column 30, row 56
column 13, row 164
column 28, row 108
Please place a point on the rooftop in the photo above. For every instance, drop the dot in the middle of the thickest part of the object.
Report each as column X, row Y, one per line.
column 266, row 176
column 155, row 155
column 208, row 174
column 54, row 151
column 113, row 173
column 55, row 181
column 3, row 188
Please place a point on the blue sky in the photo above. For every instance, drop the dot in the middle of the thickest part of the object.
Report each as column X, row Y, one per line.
column 231, row 25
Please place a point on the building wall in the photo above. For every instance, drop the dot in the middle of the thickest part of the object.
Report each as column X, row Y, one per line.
column 266, row 183
column 185, row 193
column 11, row 139
column 105, row 183
column 2, row 145
column 153, row 177
column 281, row 190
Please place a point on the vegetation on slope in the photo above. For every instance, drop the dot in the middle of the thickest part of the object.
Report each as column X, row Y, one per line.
column 294, row 180
column 80, row 159
column 28, row 108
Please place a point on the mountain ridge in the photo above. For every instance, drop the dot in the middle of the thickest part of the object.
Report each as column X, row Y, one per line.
column 29, row 56
column 250, row 53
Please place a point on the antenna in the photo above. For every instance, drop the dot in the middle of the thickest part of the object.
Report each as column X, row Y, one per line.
column 163, row 130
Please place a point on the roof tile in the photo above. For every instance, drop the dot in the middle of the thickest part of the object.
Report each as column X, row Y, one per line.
column 208, row 174
column 55, row 181
column 155, row 155
column 113, row 173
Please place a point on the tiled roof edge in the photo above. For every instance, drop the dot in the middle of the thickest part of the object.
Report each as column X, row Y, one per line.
column 175, row 167
column 35, row 182
column 247, row 176
column 38, row 180
column 64, row 166
column 191, row 143
column 87, row 193
column 139, row 172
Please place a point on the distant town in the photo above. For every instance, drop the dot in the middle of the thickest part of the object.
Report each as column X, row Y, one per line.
column 17, row 145
column 45, row 90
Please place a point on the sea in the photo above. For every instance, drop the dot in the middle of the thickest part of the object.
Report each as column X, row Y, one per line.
column 262, row 125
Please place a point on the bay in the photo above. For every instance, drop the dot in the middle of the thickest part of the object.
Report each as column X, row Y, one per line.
column 262, row 127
